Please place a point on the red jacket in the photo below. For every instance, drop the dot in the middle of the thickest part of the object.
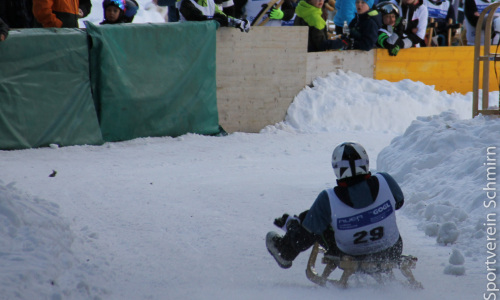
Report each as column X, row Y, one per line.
column 56, row 13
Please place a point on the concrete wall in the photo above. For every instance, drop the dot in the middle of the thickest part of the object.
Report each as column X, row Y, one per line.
column 319, row 64
column 258, row 75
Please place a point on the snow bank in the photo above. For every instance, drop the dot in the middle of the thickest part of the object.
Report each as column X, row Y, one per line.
column 35, row 249
column 349, row 101
column 440, row 163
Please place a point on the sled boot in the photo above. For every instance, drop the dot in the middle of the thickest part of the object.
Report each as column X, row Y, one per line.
column 273, row 242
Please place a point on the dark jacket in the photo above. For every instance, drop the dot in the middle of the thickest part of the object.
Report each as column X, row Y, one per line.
column 316, row 38
column 17, row 13
column 470, row 8
column 86, row 7
column 364, row 34
column 364, row 30
column 4, row 28
column 191, row 13
column 288, row 9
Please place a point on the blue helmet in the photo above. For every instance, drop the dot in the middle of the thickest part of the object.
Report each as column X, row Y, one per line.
column 118, row 3
column 131, row 8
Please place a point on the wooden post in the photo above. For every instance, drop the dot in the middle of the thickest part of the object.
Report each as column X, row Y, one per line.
column 450, row 30
column 484, row 60
column 431, row 33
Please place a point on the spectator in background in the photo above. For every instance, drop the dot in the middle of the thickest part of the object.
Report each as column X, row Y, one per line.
column 363, row 28
column 114, row 11
column 346, row 9
column 4, row 30
column 440, row 12
column 56, row 13
column 17, row 13
column 131, row 8
column 282, row 16
column 309, row 13
column 391, row 36
column 285, row 14
column 226, row 6
column 472, row 10
column 415, row 16
column 173, row 12
column 204, row 10
column 84, row 8
column 365, row 25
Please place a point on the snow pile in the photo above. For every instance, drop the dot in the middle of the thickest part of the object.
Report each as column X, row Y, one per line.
column 349, row 101
column 35, row 249
column 440, row 164
column 456, row 264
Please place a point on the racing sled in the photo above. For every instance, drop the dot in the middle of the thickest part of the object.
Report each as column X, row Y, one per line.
column 350, row 266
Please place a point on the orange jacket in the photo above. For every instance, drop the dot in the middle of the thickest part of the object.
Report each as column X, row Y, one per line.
column 45, row 11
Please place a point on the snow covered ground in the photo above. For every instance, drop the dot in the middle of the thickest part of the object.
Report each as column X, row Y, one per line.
column 186, row 217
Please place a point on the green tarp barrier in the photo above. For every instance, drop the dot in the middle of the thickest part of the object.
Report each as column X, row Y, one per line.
column 45, row 95
column 154, row 79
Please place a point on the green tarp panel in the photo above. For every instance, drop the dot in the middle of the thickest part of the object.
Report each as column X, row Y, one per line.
column 154, row 79
column 45, row 95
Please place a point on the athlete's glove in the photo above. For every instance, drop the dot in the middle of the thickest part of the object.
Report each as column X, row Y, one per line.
column 243, row 24
column 276, row 14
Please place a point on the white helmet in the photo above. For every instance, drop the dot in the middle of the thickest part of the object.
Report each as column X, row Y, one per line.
column 350, row 159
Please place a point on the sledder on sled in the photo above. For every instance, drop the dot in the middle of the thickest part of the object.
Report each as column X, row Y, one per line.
column 354, row 222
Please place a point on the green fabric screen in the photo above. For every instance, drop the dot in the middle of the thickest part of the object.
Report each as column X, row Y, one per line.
column 154, row 79
column 45, row 95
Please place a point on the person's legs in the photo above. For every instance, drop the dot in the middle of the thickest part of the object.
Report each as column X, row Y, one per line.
column 286, row 248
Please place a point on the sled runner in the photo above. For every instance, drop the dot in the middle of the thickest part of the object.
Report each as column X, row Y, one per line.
column 351, row 266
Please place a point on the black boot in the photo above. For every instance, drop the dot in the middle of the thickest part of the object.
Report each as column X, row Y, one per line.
column 274, row 246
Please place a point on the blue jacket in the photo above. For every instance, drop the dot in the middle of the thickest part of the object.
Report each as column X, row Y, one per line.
column 319, row 217
column 346, row 9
